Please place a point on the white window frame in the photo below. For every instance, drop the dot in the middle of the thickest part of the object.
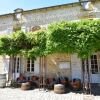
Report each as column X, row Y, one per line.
column 31, row 62
column 16, row 65
column 94, row 64
column 89, row 64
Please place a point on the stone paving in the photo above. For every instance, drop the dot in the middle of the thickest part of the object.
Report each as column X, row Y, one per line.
column 18, row 94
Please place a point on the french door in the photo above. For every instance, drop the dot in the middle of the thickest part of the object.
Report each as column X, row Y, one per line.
column 94, row 69
column 16, row 70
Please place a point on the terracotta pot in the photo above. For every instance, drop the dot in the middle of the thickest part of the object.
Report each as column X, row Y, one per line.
column 25, row 86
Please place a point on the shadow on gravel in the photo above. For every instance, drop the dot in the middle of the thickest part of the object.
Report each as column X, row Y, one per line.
column 95, row 89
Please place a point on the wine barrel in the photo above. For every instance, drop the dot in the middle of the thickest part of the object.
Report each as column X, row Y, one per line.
column 2, row 80
column 25, row 86
column 59, row 88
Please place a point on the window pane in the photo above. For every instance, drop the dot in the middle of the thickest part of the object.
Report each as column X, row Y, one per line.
column 28, row 69
column 32, row 69
column 92, row 57
column 33, row 65
column 28, row 61
column 94, row 64
column 95, row 61
column 30, row 64
column 92, row 61
column 95, row 57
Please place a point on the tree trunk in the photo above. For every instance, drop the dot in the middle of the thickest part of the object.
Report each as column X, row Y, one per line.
column 42, row 72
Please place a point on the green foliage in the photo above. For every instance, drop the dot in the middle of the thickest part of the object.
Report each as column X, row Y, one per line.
column 81, row 37
column 89, row 37
column 40, row 48
column 23, row 40
column 8, row 46
column 62, row 37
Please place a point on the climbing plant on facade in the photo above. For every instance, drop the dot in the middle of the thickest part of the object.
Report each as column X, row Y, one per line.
column 88, row 38
column 40, row 48
column 62, row 37
column 81, row 37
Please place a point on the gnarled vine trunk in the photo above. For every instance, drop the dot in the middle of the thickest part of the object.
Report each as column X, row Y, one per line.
column 42, row 73
column 86, row 77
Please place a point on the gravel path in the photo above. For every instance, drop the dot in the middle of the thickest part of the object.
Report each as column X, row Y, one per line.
column 18, row 94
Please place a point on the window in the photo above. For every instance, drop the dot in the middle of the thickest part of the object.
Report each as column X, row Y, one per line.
column 16, row 64
column 94, row 64
column 64, row 65
column 30, row 65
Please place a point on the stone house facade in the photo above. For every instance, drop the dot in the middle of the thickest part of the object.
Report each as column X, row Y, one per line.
column 67, row 65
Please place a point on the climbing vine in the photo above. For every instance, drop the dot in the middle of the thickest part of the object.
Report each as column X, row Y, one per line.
column 81, row 37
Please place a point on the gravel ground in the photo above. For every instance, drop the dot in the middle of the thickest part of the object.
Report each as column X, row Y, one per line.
column 18, row 94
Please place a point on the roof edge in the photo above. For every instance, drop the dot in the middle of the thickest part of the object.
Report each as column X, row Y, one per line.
column 43, row 8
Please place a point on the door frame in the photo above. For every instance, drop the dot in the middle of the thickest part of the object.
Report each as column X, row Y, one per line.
column 17, row 66
column 94, row 78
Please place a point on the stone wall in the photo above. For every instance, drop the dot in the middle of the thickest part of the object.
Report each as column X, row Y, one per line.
column 43, row 17
column 6, row 23
column 76, row 67
column 48, row 15
column 53, row 62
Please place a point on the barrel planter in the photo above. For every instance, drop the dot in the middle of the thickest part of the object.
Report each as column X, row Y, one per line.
column 25, row 86
column 59, row 88
column 2, row 80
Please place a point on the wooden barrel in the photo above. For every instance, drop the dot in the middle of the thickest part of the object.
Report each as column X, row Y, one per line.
column 2, row 80
column 59, row 88
column 25, row 86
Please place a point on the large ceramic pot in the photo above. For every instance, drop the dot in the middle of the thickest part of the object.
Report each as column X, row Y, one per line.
column 59, row 88
column 25, row 86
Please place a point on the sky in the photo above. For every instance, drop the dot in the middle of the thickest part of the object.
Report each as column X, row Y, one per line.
column 7, row 6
